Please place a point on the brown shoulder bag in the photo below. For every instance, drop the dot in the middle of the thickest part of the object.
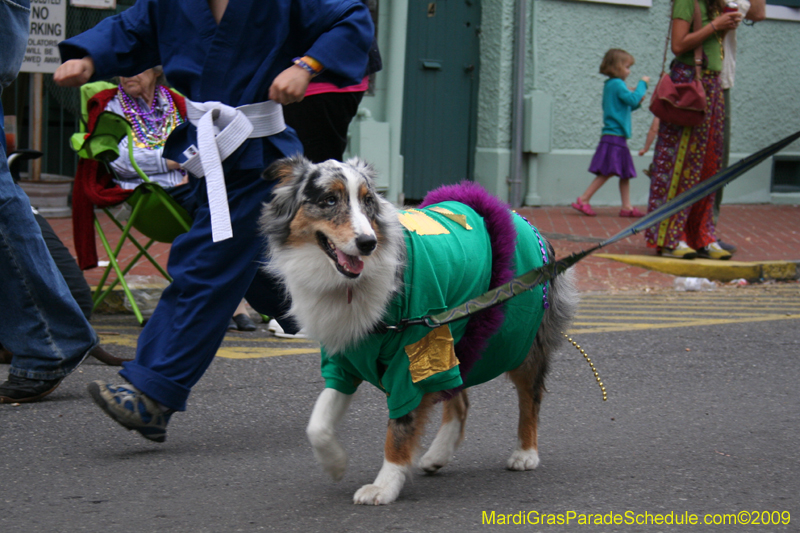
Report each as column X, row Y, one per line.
column 682, row 104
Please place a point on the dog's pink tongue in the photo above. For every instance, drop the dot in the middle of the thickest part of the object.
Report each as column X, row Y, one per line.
column 350, row 263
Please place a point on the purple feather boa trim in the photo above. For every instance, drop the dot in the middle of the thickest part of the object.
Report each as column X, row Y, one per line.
column 503, row 236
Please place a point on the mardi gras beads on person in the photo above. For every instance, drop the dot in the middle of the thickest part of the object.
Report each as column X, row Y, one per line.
column 149, row 131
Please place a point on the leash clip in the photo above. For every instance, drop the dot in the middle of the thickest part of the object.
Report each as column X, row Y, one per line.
column 405, row 323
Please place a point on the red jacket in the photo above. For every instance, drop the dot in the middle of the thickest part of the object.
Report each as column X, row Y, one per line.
column 94, row 185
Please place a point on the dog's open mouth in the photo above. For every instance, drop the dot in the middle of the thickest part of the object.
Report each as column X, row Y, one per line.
column 349, row 265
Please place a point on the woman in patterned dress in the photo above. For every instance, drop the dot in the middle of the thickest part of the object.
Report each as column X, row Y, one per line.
column 685, row 156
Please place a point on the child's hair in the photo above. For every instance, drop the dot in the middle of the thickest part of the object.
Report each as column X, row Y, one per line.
column 613, row 61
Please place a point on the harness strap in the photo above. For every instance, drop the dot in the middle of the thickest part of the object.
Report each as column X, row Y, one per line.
column 221, row 129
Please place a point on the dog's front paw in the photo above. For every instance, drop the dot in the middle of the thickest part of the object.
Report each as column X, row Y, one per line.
column 375, row 495
column 330, row 454
column 435, row 459
column 333, row 460
column 523, row 460
column 336, row 466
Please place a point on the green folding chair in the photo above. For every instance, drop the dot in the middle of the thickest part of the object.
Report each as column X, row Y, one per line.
column 154, row 213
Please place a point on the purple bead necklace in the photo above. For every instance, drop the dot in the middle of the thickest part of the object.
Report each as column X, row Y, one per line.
column 150, row 132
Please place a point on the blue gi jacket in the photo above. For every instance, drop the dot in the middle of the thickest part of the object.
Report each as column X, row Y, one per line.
column 234, row 62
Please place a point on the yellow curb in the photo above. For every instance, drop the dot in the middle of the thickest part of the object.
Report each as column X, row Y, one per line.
column 710, row 268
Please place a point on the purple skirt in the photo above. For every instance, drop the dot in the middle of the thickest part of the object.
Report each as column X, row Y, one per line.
column 613, row 158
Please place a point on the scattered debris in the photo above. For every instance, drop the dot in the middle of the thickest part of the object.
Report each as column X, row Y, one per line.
column 694, row 284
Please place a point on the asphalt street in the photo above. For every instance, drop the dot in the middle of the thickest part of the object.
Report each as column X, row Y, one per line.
column 702, row 418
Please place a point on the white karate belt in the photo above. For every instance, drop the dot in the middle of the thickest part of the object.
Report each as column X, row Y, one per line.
column 221, row 129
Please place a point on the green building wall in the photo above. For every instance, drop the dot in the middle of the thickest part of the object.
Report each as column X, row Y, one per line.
column 565, row 42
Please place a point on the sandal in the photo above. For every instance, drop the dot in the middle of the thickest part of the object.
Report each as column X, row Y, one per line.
column 633, row 213
column 586, row 209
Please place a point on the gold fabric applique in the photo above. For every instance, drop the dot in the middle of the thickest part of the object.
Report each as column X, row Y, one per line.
column 433, row 354
column 419, row 222
column 461, row 220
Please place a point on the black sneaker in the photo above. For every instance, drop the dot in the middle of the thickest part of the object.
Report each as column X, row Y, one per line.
column 22, row 390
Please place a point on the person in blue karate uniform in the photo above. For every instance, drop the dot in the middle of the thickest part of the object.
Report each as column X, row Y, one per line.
column 221, row 56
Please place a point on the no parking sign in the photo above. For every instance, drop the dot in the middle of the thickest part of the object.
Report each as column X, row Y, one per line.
column 47, row 29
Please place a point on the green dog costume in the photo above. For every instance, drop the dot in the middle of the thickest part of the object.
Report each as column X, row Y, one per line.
column 449, row 261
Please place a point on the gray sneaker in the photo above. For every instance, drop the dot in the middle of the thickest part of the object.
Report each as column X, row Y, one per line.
column 130, row 408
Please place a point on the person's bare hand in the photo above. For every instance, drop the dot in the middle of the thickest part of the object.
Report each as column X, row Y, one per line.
column 642, row 152
column 727, row 21
column 74, row 73
column 646, row 79
column 290, row 85
column 173, row 165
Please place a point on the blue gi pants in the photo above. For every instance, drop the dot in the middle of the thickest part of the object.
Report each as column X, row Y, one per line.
column 40, row 322
column 181, row 338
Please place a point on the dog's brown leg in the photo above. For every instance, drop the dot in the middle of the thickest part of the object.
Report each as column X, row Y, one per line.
column 529, row 381
column 402, row 438
column 450, row 435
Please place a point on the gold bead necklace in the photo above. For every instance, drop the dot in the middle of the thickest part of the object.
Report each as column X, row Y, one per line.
column 591, row 365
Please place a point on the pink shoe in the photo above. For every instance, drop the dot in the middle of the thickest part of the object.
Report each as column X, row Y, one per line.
column 634, row 213
column 586, row 209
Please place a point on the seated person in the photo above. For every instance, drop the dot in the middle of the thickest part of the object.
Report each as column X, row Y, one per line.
column 153, row 111
column 97, row 185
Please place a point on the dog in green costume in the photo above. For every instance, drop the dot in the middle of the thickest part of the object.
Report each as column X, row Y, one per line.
column 352, row 264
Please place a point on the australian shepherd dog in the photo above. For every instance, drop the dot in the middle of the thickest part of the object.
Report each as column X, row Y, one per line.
column 354, row 266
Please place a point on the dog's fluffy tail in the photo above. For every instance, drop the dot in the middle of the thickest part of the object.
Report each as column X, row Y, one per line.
column 563, row 299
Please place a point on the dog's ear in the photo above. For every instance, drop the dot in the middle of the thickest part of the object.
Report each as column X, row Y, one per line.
column 278, row 212
column 364, row 168
column 283, row 170
column 287, row 175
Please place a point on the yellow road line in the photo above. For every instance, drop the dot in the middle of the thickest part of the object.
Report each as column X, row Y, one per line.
column 675, row 301
column 597, row 314
column 688, row 308
column 642, row 301
column 232, row 352
column 669, row 314
column 119, row 340
column 241, row 352
column 645, row 301
column 692, row 323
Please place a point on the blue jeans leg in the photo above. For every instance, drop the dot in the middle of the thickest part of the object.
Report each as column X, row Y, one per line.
column 14, row 15
column 40, row 322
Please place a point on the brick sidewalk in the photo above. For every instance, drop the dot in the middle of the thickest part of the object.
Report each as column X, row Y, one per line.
column 761, row 231
column 159, row 251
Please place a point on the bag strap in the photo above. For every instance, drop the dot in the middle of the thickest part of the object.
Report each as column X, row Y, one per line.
column 666, row 42
column 697, row 25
